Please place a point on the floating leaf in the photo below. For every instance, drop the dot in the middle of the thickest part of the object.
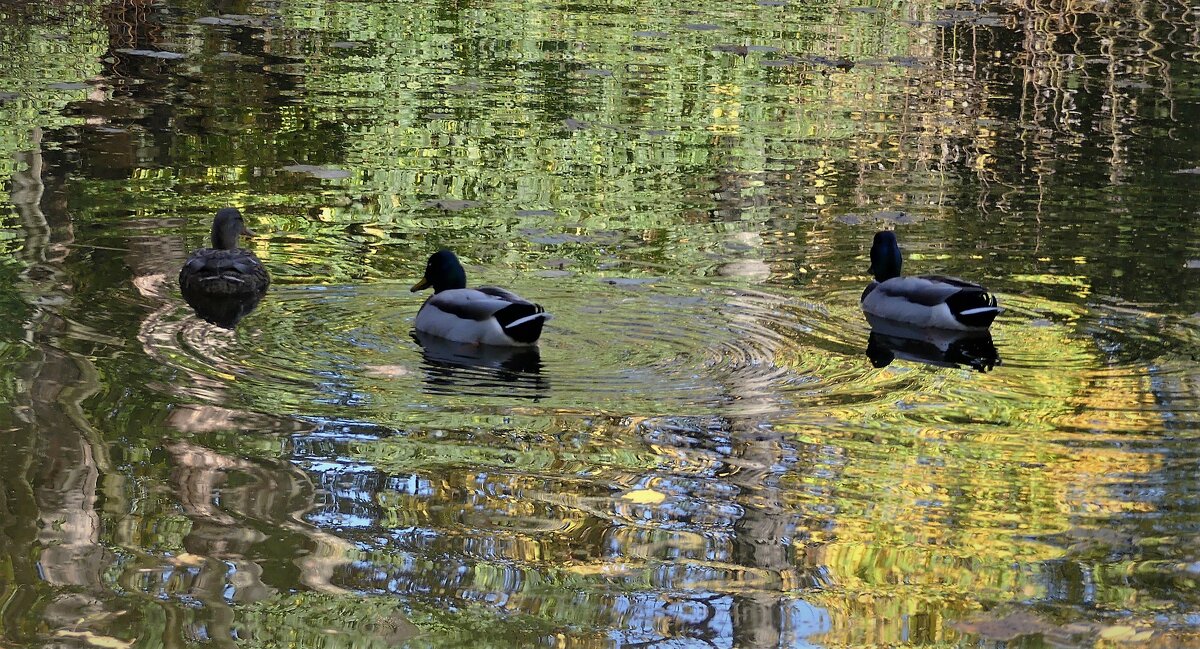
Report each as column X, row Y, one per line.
column 1118, row 633
column 555, row 239
column 786, row 61
column 153, row 54
column 590, row 569
column 536, row 213
column 630, row 281
column 644, row 497
column 1009, row 627
column 104, row 641
column 740, row 50
column 905, row 61
column 893, row 216
column 189, row 559
column 214, row 20
column 573, row 124
column 227, row 20
column 387, row 371
column 451, row 204
column 328, row 173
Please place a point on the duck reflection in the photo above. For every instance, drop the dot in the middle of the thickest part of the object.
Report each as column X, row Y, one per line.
column 890, row 340
column 222, row 310
column 484, row 370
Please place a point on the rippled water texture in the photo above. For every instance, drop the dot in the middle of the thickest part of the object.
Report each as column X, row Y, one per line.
column 711, row 446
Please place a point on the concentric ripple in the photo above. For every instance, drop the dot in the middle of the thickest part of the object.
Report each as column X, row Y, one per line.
column 642, row 348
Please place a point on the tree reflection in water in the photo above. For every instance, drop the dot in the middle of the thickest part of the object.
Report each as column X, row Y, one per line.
column 314, row 478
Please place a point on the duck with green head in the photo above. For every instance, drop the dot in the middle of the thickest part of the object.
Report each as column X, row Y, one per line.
column 923, row 301
column 224, row 269
column 487, row 315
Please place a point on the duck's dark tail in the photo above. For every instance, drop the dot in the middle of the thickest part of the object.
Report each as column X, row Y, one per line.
column 974, row 307
column 522, row 322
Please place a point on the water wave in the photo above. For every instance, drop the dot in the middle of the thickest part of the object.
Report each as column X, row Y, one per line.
column 655, row 347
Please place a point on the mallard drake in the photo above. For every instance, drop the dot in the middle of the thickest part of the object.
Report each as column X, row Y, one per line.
column 925, row 301
column 487, row 315
column 224, row 269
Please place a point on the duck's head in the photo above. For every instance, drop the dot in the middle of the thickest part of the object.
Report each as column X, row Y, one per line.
column 885, row 256
column 443, row 272
column 226, row 229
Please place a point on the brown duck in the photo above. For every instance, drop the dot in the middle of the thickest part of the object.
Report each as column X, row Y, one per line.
column 224, row 270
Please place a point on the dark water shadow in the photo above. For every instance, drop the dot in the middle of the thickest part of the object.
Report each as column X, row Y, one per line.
column 222, row 310
column 481, row 370
column 890, row 340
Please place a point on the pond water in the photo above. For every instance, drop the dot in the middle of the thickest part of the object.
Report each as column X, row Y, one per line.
column 710, row 447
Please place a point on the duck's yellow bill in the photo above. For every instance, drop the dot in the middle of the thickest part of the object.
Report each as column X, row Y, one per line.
column 421, row 285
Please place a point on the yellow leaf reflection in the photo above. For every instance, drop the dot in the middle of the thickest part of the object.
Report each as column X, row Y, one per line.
column 644, row 497
column 95, row 640
column 599, row 569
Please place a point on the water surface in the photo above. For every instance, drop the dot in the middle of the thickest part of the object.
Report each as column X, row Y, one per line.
column 710, row 447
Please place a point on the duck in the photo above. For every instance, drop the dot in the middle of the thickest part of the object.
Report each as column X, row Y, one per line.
column 224, row 269
column 924, row 301
column 488, row 315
